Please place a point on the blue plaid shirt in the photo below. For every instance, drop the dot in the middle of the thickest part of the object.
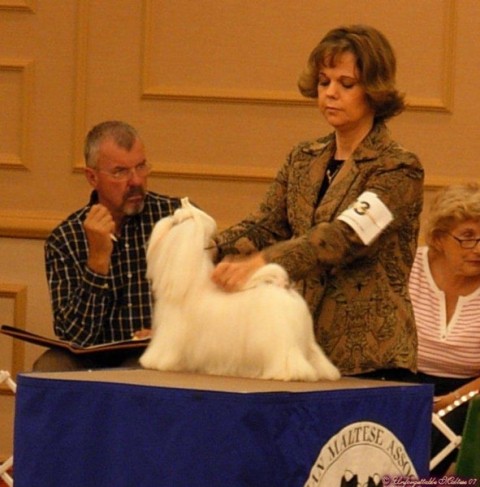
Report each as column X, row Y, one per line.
column 90, row 308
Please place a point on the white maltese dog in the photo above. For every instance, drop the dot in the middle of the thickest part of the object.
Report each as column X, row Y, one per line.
column 263, row 331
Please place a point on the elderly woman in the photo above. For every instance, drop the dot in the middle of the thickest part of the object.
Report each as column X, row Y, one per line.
column 445, row 292
column 342, row 215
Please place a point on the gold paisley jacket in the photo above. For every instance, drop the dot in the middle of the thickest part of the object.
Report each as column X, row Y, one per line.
column 357, row 293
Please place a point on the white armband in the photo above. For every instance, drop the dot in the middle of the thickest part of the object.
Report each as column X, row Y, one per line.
column 368, row 216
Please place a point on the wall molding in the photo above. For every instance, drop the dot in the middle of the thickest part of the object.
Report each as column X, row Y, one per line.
column 27, row 225
column 19, row 5
column 26, row 69
column 17, row 293
column 38, row 226
column 212, row 172
column 151, row 91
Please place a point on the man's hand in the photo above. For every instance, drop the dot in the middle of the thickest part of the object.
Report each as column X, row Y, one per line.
column 99, row 228
column 142, row 334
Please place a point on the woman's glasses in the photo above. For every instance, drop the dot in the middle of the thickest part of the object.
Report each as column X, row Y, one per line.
column 466, row 243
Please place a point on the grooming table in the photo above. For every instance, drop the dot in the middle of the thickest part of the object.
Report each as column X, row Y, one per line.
column 134, row 427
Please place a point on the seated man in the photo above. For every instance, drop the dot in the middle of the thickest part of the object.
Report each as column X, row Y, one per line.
column 95, row 259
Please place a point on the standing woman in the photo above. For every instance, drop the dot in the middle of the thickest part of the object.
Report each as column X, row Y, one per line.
column 342, row 215
column 445, row 291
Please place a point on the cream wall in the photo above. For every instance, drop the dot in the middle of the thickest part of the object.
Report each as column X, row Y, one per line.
column 211, row 85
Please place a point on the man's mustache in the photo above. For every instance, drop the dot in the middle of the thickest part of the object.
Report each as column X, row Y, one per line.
column 137, row 191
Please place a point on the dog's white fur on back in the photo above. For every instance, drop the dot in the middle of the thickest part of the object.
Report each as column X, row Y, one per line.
column 263, row 331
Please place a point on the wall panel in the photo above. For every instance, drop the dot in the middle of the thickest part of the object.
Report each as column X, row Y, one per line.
column 13, row 310
column 190, row 70
column 16, row 87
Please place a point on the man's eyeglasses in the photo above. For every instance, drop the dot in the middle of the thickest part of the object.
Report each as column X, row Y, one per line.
column 466, row 243
column 125, row 173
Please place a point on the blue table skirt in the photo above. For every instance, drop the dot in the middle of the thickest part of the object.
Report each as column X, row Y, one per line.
column 74, row 429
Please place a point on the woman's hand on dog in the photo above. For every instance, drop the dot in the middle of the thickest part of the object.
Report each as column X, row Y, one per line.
column 232, row 273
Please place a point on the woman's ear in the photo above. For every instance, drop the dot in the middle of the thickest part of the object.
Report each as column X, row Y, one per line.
column 436, row 242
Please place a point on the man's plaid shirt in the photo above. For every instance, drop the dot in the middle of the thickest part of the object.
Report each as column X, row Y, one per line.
column 90, row 308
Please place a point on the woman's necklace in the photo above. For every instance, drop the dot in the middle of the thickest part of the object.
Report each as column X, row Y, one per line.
column 332, row 169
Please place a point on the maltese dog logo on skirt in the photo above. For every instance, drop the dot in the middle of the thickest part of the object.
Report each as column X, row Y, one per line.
column 362, row 454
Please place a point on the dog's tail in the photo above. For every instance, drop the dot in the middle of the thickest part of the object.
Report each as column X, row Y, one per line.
column 322, row 364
